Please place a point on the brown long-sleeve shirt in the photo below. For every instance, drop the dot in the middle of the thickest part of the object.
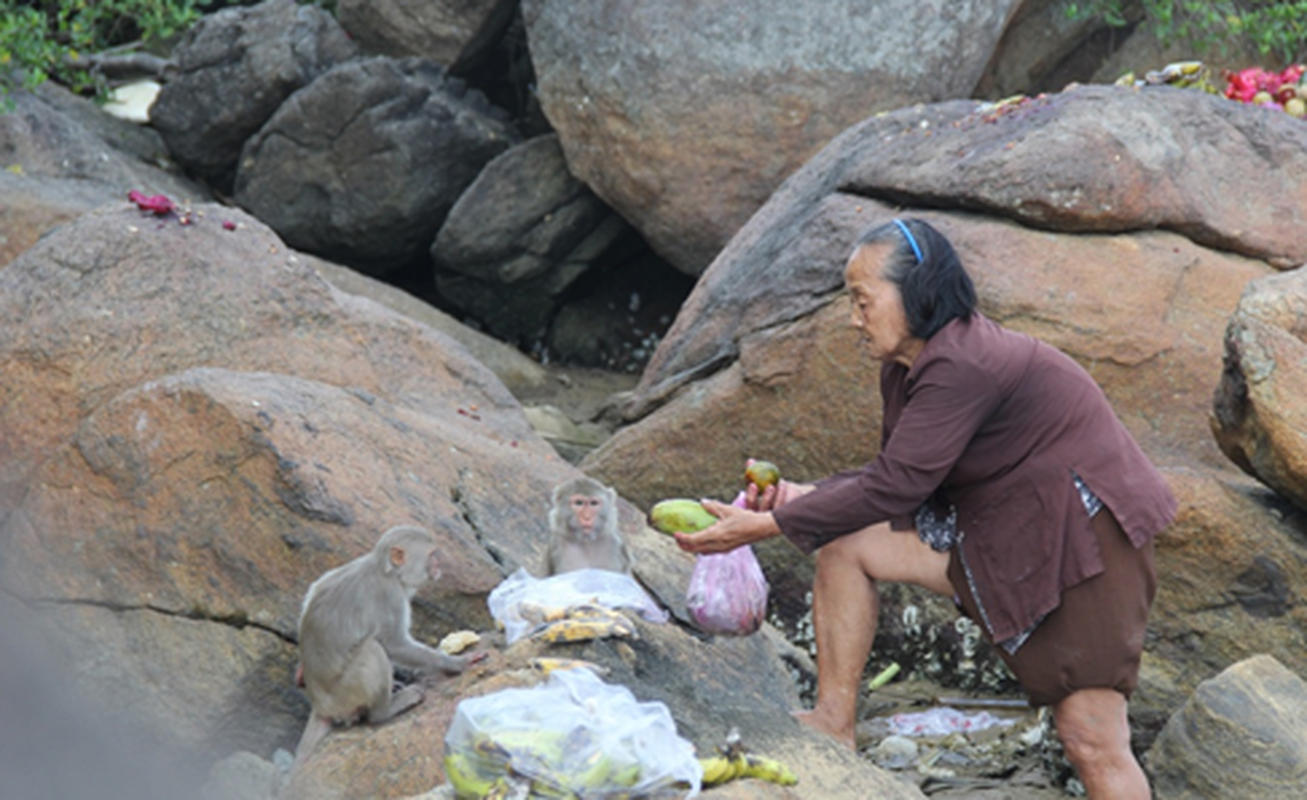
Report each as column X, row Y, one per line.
column 997, row 422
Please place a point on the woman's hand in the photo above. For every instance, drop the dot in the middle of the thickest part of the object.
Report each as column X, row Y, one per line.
column 734, row 528
column 776, row 495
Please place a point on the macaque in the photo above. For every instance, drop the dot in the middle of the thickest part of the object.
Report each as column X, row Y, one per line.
column 583, row 529
column 353, row 630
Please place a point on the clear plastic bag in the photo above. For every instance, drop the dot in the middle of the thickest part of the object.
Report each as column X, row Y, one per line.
column 728, row 591
column 512, row 600
column 574, row 735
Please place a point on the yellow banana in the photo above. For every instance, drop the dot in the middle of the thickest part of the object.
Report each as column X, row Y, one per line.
column 679, row 515
column 468, row 783
column 581, row 630
column 768, row 769
column 716, row 770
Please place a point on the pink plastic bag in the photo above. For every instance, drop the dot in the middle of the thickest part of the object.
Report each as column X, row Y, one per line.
column 728, row 592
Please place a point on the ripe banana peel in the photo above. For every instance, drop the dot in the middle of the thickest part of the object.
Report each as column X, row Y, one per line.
column 585, row 622
column 680, row 515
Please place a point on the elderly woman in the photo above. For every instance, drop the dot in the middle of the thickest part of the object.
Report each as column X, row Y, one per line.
column 1004, row 481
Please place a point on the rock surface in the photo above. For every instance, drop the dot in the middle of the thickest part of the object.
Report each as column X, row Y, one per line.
column 64, row 157
column 233, row 70
column 1258, row 417
column 520, row 236
column 363, row 164
column 684, row 116
column 1241, row 734
column 450, row 32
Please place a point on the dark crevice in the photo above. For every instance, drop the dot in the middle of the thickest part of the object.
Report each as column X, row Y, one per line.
column 459, row 498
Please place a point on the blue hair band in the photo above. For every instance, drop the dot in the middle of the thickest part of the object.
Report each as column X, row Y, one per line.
column 907, row 234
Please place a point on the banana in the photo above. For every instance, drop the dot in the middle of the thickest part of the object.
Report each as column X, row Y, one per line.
column 679, row 515
column 468, row 783
column 716, row 770
column 768, row 769
column 458, row 641
column 582, row 630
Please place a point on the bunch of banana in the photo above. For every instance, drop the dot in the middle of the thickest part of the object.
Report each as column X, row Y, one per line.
column 584, row 622
column 546, row 763
column 734, row 761
column 722, row 768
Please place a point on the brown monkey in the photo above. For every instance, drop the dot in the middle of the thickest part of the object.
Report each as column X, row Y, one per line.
column 354, row 626
column 583, row 529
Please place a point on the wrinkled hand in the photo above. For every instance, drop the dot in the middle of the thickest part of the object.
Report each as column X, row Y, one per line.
column 734, row 528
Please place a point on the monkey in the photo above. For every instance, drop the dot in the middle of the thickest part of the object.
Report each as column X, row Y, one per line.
column 583, row 529
column 353, row 629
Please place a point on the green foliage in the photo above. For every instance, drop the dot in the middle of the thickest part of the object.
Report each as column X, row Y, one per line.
column 44, row 39
column 1277, row 28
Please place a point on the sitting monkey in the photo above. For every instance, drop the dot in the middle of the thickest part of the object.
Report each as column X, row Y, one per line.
column 583, row 529
column 354, row 627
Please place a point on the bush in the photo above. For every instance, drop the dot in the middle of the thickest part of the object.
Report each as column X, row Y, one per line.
column 1278, row 29
column 43, row 39
column 69, row 40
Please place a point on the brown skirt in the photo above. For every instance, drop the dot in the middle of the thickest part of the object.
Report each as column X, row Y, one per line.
column 1094, row 638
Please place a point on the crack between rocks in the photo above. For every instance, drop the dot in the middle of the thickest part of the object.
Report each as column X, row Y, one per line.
column 238, row 620
column 457, row 496
column 1204, row 237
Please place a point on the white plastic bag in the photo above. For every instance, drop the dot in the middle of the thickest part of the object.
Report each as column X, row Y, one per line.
column 573, row 734
column 613, row 590
column 728, row 591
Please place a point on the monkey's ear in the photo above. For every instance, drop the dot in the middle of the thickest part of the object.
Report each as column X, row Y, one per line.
column 397, row 557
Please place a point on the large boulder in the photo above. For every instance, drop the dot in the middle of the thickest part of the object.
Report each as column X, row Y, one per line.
column 232, row 71
column 520, row 374
column 685, row 116
column 1258, row 417
column 363, row 165
column 1232, row 570
column 520, row 236
column 1109, row 159
column 64, row 157
column 450, row 32
column 1243, row 733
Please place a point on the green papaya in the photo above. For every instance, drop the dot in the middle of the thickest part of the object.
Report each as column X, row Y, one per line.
column 680, row 515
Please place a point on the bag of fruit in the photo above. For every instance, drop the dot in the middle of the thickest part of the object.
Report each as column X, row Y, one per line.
column 728, row 591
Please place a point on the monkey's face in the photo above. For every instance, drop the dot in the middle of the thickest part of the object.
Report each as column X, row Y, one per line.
column 585, row 512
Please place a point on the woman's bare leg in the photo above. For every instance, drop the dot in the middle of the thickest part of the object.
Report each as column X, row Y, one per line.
column 845, row 608
column 1095, row 731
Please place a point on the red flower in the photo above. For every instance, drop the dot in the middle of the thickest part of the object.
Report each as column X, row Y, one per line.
column 228, row 225
column 158, row 204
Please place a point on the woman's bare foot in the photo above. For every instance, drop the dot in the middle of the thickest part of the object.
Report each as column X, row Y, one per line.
column 819, row 721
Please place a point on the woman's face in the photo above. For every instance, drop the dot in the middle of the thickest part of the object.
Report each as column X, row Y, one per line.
column 878, row 307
